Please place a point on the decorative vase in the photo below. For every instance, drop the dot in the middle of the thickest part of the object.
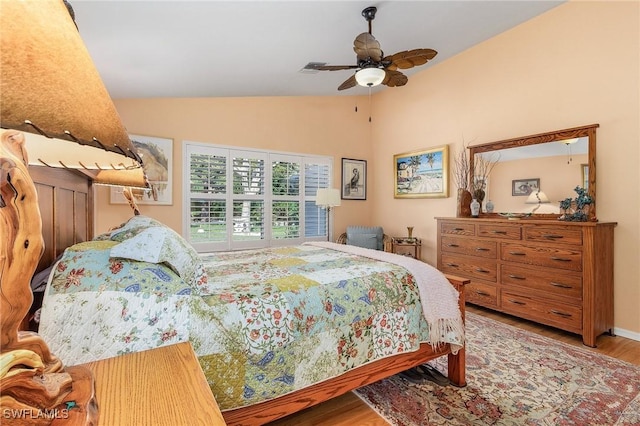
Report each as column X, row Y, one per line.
column 479, row 195
column 410, row 234
column 489, row 206
column 475, row 208
column 464, row 203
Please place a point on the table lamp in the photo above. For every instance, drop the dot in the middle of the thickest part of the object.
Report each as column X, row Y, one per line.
column 56, row 112
column 537, row 197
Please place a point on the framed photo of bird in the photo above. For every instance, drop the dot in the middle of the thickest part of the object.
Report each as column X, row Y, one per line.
column 354, row 179
column 422, row 174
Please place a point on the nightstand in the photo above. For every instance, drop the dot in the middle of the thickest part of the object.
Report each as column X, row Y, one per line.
column 411, row 247
column 163, row 386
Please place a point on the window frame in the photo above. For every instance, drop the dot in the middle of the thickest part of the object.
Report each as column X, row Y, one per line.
column 304, row 162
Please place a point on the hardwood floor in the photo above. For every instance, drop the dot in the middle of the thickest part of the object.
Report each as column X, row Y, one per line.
column 349, row 410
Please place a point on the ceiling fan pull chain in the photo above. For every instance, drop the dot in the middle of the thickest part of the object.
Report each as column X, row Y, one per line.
column 369, row 104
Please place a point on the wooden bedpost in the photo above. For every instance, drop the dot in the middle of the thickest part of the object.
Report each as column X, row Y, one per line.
column 35, row 388
column 457, row 363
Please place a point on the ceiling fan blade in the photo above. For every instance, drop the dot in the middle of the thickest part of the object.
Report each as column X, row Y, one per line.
column 335, row 67
column 348, row 83
column 410, row 58
column 366, row 46
column 394, row 78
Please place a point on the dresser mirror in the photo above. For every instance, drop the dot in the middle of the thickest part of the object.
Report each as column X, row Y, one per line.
column 552, row 163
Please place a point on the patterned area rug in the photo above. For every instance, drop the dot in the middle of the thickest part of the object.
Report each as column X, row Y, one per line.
column 515, row 377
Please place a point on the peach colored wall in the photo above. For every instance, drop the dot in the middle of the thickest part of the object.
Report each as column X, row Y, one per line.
column 312, row 125
column 577, row 64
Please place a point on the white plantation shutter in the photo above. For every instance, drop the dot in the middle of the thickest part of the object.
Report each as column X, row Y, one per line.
column 241, row 199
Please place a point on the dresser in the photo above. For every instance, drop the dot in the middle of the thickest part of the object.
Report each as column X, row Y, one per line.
column 555, row 273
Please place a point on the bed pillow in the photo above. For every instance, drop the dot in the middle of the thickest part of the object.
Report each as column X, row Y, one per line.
column 161, row 244
column 133, row 227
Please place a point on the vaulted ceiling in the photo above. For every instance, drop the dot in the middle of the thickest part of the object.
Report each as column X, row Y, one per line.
column 154, row 48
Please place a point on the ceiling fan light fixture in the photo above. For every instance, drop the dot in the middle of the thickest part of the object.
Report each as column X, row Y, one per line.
column 370, row 77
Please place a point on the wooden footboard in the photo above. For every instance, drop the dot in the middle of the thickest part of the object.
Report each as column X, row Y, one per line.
column 264, row 412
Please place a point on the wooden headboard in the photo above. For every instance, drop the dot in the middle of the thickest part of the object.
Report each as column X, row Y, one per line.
column 66, row 206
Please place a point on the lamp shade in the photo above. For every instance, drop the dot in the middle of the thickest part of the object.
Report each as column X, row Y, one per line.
column 537, row 197
column 328, row 197
column 370, row 77
column 50, row 87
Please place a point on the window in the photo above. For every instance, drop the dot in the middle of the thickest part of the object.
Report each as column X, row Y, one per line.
column 240, row 199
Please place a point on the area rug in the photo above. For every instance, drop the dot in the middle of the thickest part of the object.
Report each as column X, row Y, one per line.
column 515, row 377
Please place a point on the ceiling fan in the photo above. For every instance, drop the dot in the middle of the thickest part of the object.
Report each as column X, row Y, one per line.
column 373, row 68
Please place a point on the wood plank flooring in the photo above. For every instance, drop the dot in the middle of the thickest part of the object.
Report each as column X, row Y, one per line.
column 349, row 410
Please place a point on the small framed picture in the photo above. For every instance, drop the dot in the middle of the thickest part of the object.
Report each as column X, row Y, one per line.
column 354, row 179
column 524, row 187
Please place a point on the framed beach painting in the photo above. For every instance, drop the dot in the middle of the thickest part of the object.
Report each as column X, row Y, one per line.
column 157, row 158
column 422, row 174
column 354, row 179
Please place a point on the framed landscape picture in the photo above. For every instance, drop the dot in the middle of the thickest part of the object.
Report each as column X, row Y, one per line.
column 354, row 179
column 157, row 158
column 422, row 174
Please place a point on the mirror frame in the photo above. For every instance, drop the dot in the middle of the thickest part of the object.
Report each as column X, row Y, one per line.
column 546, row 137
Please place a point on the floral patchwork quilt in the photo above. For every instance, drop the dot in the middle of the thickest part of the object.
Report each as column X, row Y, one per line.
column 265, row 323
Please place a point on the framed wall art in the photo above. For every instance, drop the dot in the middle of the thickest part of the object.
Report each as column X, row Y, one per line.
column 354, row 179
column 524, row 187
column 422, row 174
column 157, row 158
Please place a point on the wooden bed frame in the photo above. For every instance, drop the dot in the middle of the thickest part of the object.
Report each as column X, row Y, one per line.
column 66, row 204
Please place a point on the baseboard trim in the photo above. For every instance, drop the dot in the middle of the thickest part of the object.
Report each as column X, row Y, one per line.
column 626, row 333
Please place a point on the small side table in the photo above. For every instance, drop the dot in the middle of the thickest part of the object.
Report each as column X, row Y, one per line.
column 163, row 386
column 411, row 247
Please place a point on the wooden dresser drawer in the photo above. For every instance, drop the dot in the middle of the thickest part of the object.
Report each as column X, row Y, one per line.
column 546, row 311
column 470, row 267
column 553, row 234
column 481, row 294
column 470, row 247
column 457, row 228
column 492, row 230
column 541, row 255
column 554, row 282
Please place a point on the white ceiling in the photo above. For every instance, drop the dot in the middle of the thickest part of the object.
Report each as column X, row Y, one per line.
column 207, row 48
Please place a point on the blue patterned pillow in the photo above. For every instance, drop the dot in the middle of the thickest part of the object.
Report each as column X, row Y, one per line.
column 147, row 241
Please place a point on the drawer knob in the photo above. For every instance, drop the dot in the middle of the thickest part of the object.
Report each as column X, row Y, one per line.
column 560, row 285
column 484, row 271
column 560, row 259
column 481, row 293
column 499, row 232
column 517, row 253
column 517, row 302
column 562, row 314
column 453, row 265
column 552, row 236
column 453, row 245
column 458, row 229
column 481, row 249
column 517, row 277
